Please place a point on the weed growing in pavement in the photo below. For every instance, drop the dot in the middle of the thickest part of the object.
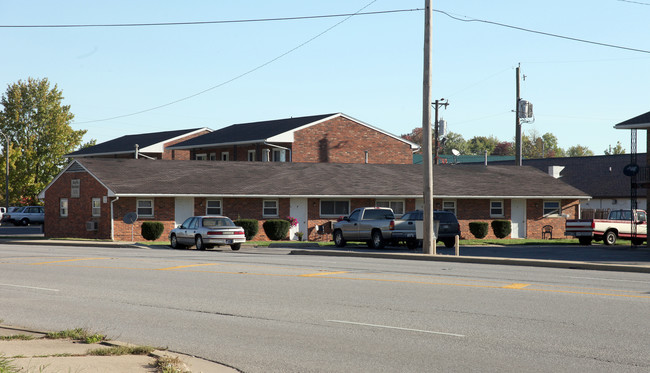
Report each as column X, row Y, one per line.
column 168, row 364
column 121, row 350
column 78, row 334
column 6, row 365
column 19, row 337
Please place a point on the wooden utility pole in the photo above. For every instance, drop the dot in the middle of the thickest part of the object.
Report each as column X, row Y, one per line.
column 428, row 241
column 518, row 160
column 436, row 132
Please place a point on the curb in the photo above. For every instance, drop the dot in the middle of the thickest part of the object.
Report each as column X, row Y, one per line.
column 483, row 260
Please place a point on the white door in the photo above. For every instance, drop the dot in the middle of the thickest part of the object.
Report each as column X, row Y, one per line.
column 298, row 210
column 518, row 218
column 183, row 209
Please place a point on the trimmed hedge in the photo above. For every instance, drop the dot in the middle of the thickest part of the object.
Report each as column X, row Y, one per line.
column 501, row 228
column 251, row 226
column 276, row 229
column 152, row 230
column 479, row 229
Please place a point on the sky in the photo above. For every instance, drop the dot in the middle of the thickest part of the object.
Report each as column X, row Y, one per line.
column 130, row 80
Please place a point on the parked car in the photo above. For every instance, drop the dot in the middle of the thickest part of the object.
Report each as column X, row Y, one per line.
column 373, row 225
column 26, row 215
column 206, row 232
column 6, row 216
column 448, row 228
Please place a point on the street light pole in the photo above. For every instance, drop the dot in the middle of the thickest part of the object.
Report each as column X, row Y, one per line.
column 6, row 171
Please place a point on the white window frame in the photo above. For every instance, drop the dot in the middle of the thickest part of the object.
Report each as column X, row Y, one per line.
column 96, row 205
column 392, row 204
column 449, row 205
column 265, row 207
column 213, row 156
column 213, row 202
column 279, row 155
column 75, row 188
column 137, row 208
column 501, row 207
column 225, row 156
column 63, row 208
column 335, row 214
column 201, row 157
column 251, row 155
column 558, row 210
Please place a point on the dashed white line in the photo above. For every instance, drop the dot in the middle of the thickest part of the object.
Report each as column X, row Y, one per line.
column 28, row 287
column 395, row 327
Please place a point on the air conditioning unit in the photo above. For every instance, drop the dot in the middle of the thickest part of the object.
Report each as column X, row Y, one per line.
column 91, row 225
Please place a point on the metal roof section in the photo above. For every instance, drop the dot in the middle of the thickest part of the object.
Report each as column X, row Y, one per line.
column 639, row 122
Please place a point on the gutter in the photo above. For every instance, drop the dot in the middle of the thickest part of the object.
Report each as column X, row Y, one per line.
column 113, row 219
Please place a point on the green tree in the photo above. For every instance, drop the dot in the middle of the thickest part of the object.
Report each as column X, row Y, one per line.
column 38, row 126
column 454, row 141
column 504, row 148
column 579, row 151
column 479, row 144
column 618, row 149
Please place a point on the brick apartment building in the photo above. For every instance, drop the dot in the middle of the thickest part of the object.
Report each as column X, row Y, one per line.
column 91, row 196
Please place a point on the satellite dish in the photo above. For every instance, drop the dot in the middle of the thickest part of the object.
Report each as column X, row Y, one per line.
column 631, row 169
column 455, row 152
column 130, row 217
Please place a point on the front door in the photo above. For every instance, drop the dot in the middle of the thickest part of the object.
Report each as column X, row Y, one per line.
column 183, row 209
column 298, row 210
column 518, row 218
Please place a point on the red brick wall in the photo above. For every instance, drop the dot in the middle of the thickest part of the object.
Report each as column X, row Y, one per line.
column 163, row 208
column 79, row 209
column 182, row 155
column 341, row 140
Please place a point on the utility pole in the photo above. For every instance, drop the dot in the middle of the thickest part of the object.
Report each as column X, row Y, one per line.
column 436, row 135
column 6, row 171
column 518, row 160
column 428, row 241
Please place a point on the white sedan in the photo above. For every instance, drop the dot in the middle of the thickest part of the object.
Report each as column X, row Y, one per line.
column 207, row 232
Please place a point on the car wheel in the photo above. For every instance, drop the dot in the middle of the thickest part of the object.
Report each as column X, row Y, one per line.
column 174, row 242
column 584, row 241
column 610, row 238
column 637, row 241
column 235, row 246
column 412, row 244
column 376, row 240
column 338, row 238
column 24, row 222
column 199, row 243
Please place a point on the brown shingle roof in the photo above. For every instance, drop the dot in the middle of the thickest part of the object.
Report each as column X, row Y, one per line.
column 194, row 178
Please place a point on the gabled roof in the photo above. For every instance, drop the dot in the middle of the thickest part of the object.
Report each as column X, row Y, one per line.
column 599, row 176
column 137, row 177
column 639, row 122
column 147, row 142
column 278, row 130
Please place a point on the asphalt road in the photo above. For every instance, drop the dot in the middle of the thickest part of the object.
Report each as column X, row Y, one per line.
column 259, row 310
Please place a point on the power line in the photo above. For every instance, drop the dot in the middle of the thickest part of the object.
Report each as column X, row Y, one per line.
column 541, row 32
column 634, row 2
column 193, row 23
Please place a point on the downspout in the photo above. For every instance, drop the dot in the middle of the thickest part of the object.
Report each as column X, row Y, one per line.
column 112, row 219
column 280, row 147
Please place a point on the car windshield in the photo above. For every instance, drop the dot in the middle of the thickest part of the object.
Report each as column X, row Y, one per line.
column 217, row 222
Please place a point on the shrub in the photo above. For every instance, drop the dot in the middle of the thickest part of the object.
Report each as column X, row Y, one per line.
column 501, row 228
column 276, row 229
column 251, row 226
column 152, row 230
column 479, row 229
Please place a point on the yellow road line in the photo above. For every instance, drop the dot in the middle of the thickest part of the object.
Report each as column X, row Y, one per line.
column 68, row 260
column 322, row 274
column 515, row 286
column 186, row 266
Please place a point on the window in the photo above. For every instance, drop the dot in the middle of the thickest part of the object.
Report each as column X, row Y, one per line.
column 334, row 208
column 75, row 188
column 496, row 209
column 396, row 206
column 551, row 208
column 97, row 207
column 63, row 207
column 201, row 157
column 213, row 156
column 145, row 208
column 251, row 155
column 279, row 155
column 270, row 208
column 225, row 156
column 213, row 207
column 449, row 206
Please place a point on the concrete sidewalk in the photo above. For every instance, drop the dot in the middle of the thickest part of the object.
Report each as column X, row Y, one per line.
column 65, row 355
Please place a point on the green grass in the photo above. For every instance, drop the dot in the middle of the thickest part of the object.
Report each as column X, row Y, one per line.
column 6, row 365
column 21, row 337
column 121, row 350
column 78, row 334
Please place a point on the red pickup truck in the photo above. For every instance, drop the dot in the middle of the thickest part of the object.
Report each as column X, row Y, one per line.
column 618, row 224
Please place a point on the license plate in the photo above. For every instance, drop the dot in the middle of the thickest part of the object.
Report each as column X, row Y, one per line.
column 228, row 241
